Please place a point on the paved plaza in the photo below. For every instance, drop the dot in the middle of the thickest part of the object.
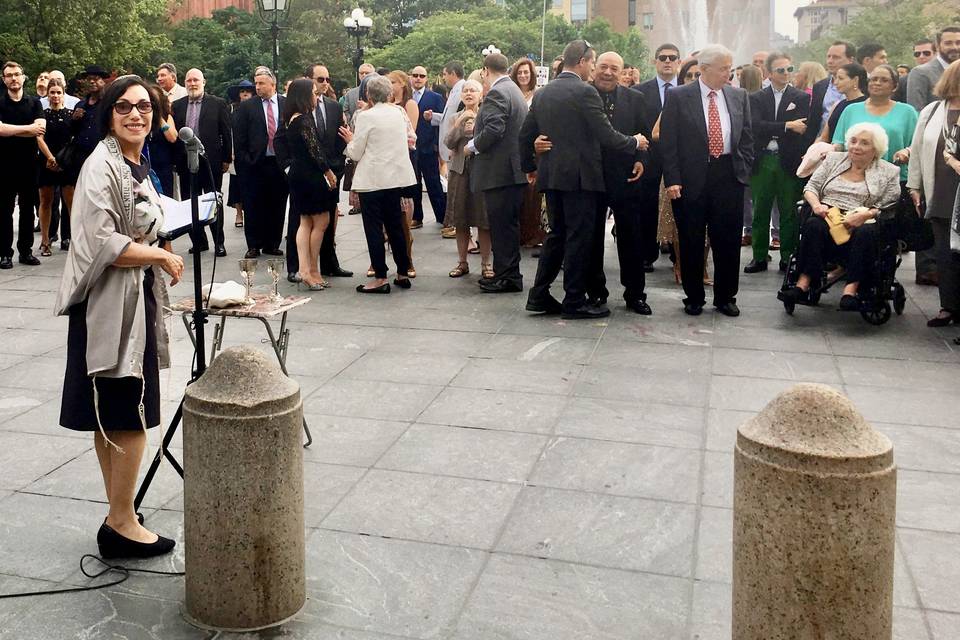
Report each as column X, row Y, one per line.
column 479, row 473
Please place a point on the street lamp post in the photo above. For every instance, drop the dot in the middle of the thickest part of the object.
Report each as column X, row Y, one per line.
column 357, row 25
column 489, row 49
column 273, row 13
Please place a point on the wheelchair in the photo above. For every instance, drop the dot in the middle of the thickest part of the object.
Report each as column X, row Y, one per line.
column 876, row 296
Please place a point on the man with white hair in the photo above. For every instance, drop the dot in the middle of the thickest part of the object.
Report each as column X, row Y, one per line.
column 707, row 146
column 167, row 79
column 255, row 125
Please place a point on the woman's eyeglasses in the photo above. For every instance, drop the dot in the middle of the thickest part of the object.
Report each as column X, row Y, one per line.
column 692, row 75
column 123, row 107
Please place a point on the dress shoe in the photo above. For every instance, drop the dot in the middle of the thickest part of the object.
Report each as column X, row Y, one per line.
column 252, row 253
column 6, row 262
column 782, row 268
column 849, row 303
column 729, row 309
column 692, row 309
column 928, row 279
column 549, row 306
column 794, row 294
column 639, row 306
column 293, row 278
column 54, row 237
column 448, row 233
column 484, row 281
column 338, row 273
column 648, row 267
column 585, row 312
column 220, row 251
column 353, row 211
column 273, row 252
column 403, row 284
column 384, row 288
column 202, row 248
column 940, row 321
column 416, row 224
column 775, row 245
column 501, row 286
column 755, row 266
column 29, row 259
column 114, row 545
column 65, row 245
column 746, row 241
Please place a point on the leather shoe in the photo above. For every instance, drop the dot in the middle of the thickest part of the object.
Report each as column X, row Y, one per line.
column 692, row 309
column 639, row 306
column 113, row 545
column 550, row 306
column 849, row 303
column 293, row 277
column 6, row 262
column 273, row 252
column 928, row 279
column 729, row 309
column 220, row 251
column 585, row 312
column 29, row 259
column 501, row 286
column 65, row 245
column 252, row 253
column 338, row 273
column 202, row 248
column 755, row 266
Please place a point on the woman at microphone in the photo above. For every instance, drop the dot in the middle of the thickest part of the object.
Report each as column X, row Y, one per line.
column 113, row 294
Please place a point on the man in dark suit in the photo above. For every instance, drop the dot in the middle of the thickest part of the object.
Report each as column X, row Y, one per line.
column 779, row 115
column 825, row 93
column 255, row 125
column 209, row 117
column 496, row 172
column 572, row 115
column 328, row 117
column 427, row 166
column 707, row 147
column 667, row 62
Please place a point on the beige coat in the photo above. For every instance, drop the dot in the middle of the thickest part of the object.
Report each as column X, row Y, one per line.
column 380, row 149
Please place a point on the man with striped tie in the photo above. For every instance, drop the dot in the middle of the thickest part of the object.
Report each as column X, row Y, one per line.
column 707, row 150
column 255, row 124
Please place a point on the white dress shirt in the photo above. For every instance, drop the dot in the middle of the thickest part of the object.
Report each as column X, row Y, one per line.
column 724, row 114
column 777, row 97
column 661, row 83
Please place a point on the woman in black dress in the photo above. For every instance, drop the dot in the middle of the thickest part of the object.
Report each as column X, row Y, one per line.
column 162, row 142
column 116, row 342
column 312, row 183
column 59, row 120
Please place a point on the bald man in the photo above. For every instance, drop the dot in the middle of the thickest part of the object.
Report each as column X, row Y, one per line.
column 209, row 118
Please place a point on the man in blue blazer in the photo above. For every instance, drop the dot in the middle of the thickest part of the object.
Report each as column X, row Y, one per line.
column 707, row 148
column 427, row 165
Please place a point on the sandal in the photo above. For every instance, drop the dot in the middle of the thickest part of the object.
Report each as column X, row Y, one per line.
column 371, row 272
column 45, row 250
column 411, row 272
column 486, row 270
column 460, row 270
column 239, row 221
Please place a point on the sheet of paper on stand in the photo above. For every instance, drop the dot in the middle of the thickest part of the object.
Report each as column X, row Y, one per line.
column 177, row 217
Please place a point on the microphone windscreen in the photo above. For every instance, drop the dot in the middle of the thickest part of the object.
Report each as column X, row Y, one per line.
column 186, row 134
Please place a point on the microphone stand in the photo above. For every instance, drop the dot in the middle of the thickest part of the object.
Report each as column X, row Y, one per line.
column 199, row 320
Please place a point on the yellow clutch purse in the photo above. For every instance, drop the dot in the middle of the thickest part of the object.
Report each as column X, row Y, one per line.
column 838, row 232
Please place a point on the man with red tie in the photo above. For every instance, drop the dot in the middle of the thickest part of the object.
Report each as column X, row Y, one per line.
column 707, row 149
column 255, row 124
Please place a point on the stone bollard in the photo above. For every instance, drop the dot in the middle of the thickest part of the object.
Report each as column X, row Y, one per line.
column 813, row 522
column 243, row 494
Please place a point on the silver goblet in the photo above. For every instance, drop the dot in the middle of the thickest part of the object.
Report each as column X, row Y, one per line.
column 248, row 267
column 275, row 268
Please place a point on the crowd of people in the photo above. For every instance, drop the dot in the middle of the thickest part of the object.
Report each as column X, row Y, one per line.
column 702, row 158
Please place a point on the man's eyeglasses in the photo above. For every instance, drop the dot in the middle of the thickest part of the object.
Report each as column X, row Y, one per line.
column 322, row 80
column 11, row 76
column 919, row 54
column 418, row 75
column 691, row 75
column 668, row 58
column 789, row 69
column 123, row 107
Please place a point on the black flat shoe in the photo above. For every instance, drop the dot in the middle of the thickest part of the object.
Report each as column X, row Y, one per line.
column 114, row 545
column 849, row 303
column 384, row 288
column 403, row 284
column 755, row 266
column 293, row 278
column 940, row 321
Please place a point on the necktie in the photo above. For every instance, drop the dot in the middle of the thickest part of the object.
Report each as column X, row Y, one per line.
column 193, row 114
column 714, row 130
column 321, row 118
column 271, row 125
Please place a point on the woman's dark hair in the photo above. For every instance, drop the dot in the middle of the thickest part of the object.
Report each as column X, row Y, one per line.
column 115, row 90
column 533, row 73
column 299, row 99
column 854, row 70
column 682, row 76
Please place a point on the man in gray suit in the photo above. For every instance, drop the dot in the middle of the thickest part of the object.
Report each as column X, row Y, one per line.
column 920, row 85
column 350, row 100
column 497, row 173
column 707, row 147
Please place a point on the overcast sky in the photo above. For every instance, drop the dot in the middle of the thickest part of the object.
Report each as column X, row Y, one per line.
column 784, row 22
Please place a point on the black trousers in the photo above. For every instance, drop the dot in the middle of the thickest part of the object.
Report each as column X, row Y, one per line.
column 503, row 215
column 427, row 168
column 717, row 211
column 264, row 203
column 20, row 186
column 328, row 251
column 206, row 186
column 630, row 243
column 648, row 210
column 381, row 210
column 575, row 218
column 858, row 254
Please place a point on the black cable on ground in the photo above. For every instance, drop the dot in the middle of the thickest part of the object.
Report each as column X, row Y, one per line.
column 119, row 568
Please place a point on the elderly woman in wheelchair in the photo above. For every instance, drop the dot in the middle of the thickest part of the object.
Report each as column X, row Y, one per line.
column 846, row 195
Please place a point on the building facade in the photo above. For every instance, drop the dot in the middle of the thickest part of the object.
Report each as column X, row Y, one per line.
column 742, row 25
column 186, row 9
column 820, row 17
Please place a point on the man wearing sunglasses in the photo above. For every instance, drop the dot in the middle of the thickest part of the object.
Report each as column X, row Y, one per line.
column 779, row 113
column 922, row 78
column 667, row 62
column 427, row 166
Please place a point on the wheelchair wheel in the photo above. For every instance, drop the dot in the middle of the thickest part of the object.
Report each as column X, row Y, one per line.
column 877, row 314
column 899, row 298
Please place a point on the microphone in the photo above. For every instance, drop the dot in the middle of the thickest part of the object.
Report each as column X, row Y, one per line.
column 194, row 148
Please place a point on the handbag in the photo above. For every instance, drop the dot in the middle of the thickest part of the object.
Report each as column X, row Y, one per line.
column 69, row 157
column 839, row 232
column 955, row 224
